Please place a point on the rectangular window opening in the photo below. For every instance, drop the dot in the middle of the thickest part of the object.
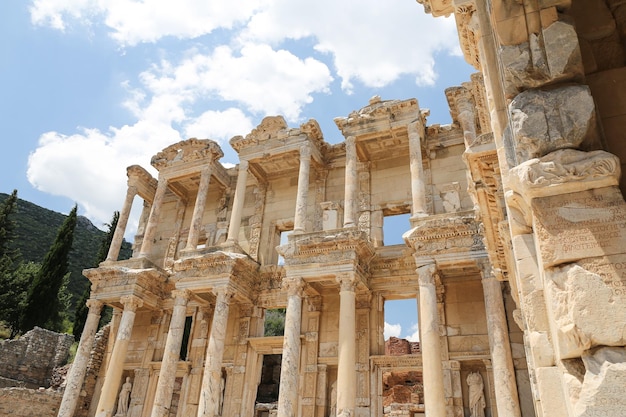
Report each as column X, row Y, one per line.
column 184, row 347
column 394, row 226
column 274, row 324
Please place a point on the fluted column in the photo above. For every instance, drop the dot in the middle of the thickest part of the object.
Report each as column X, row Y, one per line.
column 210, row 392
column 155, row 211
column 416, row 134
column 240, row 193
column 171, row 355
column 288, row 394
column 350, row 194
column 434, row 394
column 505, row 385
column 120, row 229
column 299, row 222
column 198, row 208
column 76, row 376
column 115, row 367
column 346, row 359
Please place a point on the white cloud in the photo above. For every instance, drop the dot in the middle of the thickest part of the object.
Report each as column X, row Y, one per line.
column 132, row 22
column 265, row 81
column 90, row 167
column 374, row 42
column 415, row 336
column 392, row 330
column 219, row 124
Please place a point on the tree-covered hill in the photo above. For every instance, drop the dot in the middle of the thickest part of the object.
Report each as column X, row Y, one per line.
column 36, row 230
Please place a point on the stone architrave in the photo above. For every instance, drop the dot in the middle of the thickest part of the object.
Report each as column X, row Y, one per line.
column 588, row 305
column 299, row 222
column 580, row 225
column 210, row 392
column 346, row 358
column 76, row 376
column 434, row 393
column 171, row 355
column 288, row 395
column 115, row 368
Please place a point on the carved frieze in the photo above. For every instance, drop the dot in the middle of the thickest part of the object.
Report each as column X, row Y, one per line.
column 446, row 234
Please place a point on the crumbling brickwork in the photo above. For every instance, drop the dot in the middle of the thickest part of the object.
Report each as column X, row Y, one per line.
column 32, row 358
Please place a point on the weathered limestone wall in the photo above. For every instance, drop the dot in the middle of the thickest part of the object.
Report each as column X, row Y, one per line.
column 466, row 323
column 32, row 357
column 24, row 402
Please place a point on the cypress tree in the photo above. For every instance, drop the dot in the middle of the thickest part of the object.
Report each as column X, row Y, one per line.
column 47, row 301
column 13, row 279
column 81, row 310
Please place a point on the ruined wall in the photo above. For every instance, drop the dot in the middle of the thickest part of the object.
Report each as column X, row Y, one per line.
column 32, row 357
column 24, row 402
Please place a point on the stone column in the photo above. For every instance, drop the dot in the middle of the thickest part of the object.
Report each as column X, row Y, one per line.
column 76, row 376
column 466, row 115
column 434, row 393
column 299, row 222
column 240, row 194
column 115, row 366
column 507, row 399
column 350, row 194
column 171, row 355
column 212, row 376
column 346, row 358
column 288, row 395
column 416, row 133
column 120, row 229
column 155, row 211
column 198, row 208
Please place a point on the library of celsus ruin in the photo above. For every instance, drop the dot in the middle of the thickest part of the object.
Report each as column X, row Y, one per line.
column 514, row 247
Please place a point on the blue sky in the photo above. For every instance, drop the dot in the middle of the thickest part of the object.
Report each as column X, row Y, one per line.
column 88, row 87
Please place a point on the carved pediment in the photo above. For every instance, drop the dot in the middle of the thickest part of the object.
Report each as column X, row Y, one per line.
column 186, row 151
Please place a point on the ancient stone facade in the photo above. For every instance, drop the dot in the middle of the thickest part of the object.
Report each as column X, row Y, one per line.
column 513, row 248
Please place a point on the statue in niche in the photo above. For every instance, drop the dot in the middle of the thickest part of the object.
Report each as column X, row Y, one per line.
column 476, row 395
column 222, row 391
column 333, row 400
column 123, row 399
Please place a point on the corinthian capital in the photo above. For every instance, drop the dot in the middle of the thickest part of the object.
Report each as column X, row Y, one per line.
column 293, row 286
column 131, row 302
column 426, row 274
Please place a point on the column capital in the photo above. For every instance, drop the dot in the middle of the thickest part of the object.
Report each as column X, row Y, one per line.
column 346, row 281
column 243, row 164
column 181, row 297
column 416, row 128
column 350, row 140
column 224, row 293
column 426, row 274
column 305, row 150
column 94, row 305
column 294, row 286
column 131, row 302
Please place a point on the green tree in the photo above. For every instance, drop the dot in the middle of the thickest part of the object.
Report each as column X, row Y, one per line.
column 47, row 300
column 13, row 295
column 13, row 285
column 81, row 308
column 274, row 322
